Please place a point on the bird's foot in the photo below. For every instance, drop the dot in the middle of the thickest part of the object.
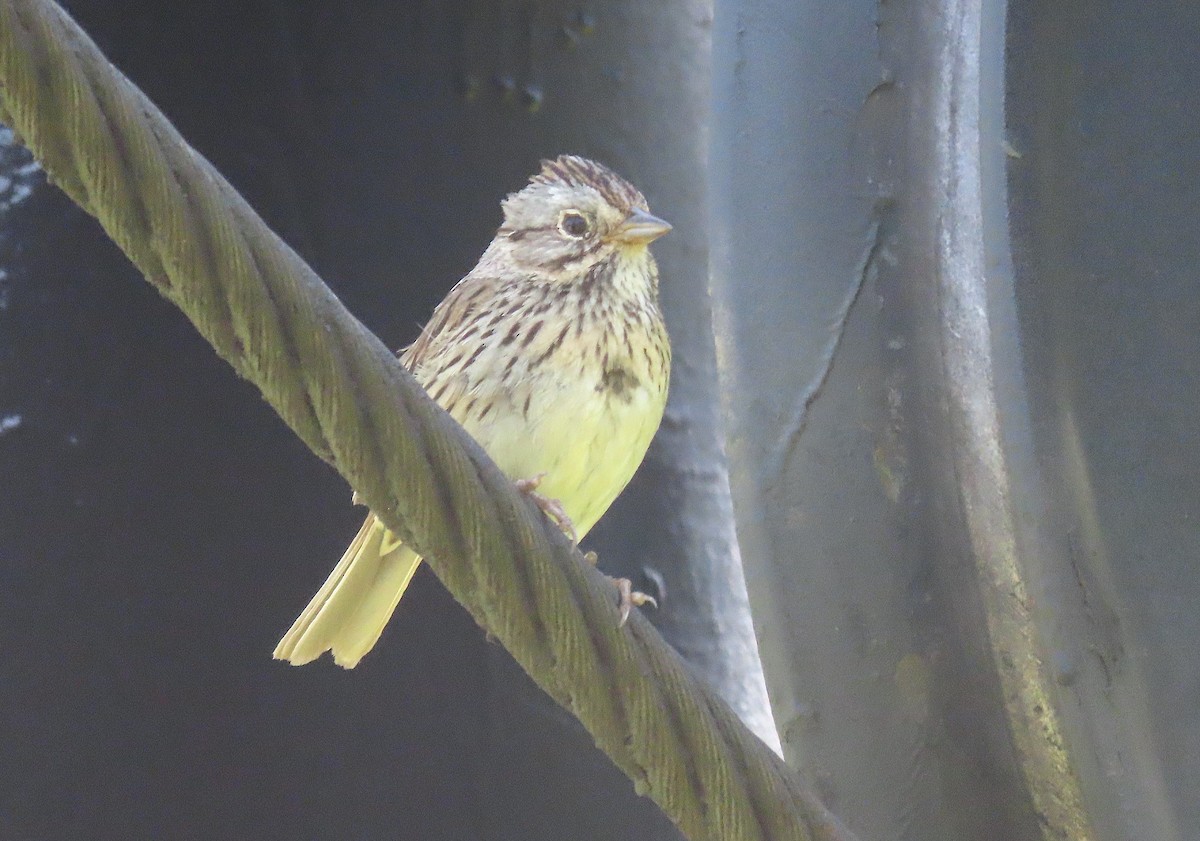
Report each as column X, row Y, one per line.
column 552, row 508
column 628, row 596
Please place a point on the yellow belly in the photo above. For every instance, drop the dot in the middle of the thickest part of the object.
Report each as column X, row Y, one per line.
column 588, row 442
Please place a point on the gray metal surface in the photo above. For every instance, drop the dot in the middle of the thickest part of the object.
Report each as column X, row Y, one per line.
column 807, row 169
column 954, row 286
column 1102, row 110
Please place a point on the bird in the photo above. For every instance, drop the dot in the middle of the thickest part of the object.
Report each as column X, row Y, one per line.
column 553, row 354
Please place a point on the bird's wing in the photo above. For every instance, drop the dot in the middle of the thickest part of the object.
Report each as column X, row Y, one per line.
column 453, row 312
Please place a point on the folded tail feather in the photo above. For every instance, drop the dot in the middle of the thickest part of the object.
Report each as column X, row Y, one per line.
column 349, row 612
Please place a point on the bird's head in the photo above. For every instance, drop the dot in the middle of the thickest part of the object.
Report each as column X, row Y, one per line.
column 576, row 214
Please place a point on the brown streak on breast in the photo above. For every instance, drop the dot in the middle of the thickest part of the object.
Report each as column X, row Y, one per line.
column 619, row 382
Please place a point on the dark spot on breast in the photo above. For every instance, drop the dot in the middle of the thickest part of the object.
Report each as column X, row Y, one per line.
column 618, row 382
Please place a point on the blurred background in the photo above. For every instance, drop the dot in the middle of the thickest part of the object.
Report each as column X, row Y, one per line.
column 931, row 449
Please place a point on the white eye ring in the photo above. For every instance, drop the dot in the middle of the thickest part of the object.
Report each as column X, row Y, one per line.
column 574, row 224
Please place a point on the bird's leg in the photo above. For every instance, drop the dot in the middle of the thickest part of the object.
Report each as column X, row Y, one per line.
column 552, row 508
column 628, row 596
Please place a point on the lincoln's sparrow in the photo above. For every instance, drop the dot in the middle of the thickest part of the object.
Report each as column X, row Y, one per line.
column 552, row 353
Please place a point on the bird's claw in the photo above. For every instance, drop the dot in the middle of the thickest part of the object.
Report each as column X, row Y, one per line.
column 630, row 597
column 552, row 508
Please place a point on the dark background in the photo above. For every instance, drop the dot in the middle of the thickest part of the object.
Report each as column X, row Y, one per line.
column 161, row 528
column 842, row 176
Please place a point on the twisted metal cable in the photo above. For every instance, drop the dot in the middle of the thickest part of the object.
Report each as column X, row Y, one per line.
column 268, row 314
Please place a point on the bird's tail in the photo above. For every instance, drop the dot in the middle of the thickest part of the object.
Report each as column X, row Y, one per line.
column 348, row 613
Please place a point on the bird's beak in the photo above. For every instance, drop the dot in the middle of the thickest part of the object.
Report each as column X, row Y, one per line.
column 641, row 228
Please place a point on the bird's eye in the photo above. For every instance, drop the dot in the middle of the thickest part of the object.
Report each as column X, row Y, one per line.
column 573, row 223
